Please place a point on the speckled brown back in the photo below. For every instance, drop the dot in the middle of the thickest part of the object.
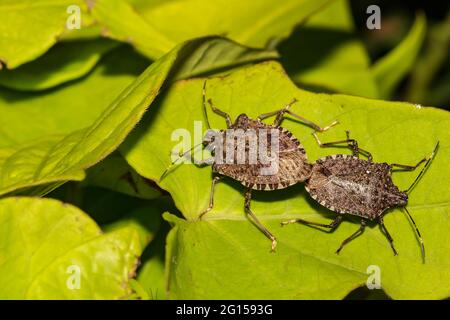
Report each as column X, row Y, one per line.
column 293, row 163
column 346, row 184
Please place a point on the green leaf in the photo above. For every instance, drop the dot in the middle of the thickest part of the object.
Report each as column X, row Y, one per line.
column 161, row 25
column 325, row 54
column 29, row 28
column 218, row 55
column 66, row 157
column 29, row 116
column 305, row 266
column 64, row 62
column 62, row 157
column 44, row 245
column 390, row 70
column 114, row 16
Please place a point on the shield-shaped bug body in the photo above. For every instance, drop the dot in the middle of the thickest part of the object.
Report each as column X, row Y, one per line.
column 260, row 156
column 346, row 184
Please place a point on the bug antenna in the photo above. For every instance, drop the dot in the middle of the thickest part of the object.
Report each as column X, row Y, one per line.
column 427, row 163
column 181, row 156
column 418, row 234
column 205, row 114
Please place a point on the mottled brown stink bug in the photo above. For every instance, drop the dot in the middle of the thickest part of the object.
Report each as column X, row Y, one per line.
column 236, row 143
column 346, row 184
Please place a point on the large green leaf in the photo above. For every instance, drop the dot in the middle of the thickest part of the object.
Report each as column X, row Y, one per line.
column 225, row 256
column 390, row 70
column 46, row 242
column 325, row 54
column 64, row 62
column 161, row 25
column 60, row 157
column 28, row 28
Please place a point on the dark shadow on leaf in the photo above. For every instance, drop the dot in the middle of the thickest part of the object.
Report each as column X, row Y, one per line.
column 121, row 61
column 314, row 88
column 304, row 51
column 124, row 61
column 154, row 251
column 363, row 293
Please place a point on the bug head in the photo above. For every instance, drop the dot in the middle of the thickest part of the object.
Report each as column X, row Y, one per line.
column 398, row 198
column 241, row 121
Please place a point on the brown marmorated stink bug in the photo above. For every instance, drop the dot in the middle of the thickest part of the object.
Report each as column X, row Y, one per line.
column 346, row 184
column 260, row 156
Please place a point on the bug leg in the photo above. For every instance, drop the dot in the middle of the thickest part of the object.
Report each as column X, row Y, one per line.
column 214, row 109
column 203, row 163
column 352, row 144
column 386, row 233
column 408, row 167
column 220, row 113
column 333, row 225
column 280, row 116
column 215, row 180
column 267, row 233
column 279, row 113
column 312, row 124
column 414, row 167
column 353, row 236
column 427, row 161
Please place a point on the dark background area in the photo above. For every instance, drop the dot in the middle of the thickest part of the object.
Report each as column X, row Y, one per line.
column 429, row 81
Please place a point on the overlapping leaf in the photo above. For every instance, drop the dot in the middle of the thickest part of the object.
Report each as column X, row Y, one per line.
column 114, row 15
column 61, row 157
column 19, row 40
column 159, row 26
column 65, row 157
column 29, row 116
column 64, row 62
